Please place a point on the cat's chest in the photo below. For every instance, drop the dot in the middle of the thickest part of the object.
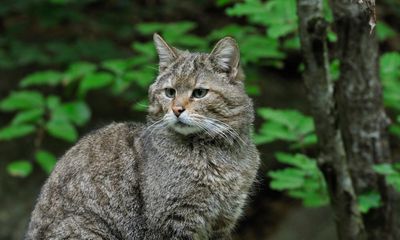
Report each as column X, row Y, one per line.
column 211, row 167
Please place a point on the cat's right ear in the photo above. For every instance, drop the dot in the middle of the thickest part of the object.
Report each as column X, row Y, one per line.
column 166, row 53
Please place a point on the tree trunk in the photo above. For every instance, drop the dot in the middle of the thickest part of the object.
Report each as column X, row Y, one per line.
column 332, row 159
column 362, row 118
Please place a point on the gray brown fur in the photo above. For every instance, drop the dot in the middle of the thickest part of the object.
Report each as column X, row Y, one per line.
column 161, row 180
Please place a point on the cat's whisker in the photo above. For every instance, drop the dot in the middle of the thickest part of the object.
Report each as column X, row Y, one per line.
column 216, row 129
column 222, row 129
column 231, row 130
column 157, row 125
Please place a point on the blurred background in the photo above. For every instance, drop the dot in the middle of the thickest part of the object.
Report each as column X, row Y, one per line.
column 71, row 66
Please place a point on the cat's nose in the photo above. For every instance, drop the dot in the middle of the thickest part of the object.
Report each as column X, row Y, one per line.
column 178, row 110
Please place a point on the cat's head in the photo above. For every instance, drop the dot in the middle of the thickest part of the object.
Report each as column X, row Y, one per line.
column 200, row 92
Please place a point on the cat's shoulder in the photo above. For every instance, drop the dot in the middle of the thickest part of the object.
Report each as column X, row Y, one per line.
column 106, row 142
column 113, row 133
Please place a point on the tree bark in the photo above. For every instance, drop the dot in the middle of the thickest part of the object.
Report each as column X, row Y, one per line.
column 362, row 118
column 332, row 160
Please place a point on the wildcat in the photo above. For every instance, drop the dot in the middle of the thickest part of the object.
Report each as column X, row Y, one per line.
column 185, row 174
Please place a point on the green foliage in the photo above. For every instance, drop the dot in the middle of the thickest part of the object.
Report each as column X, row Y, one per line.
column 390, row 74
column 384, row 31
column 28, row 116
column 286, row 125
column 78, row 70
column 16, row 131
column 63, row 117
column 94, row 81
column 279, row 16
column 368, row 201
column 50, row 77
column 391, row 173
column 46, row 160
column 22, row 100
column 19, row 168
column 301, row 180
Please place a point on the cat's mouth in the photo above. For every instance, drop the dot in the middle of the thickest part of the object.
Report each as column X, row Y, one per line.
column 182, row 124
column 184, row 128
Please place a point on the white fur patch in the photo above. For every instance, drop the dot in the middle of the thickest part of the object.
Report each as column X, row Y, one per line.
column 186, row 128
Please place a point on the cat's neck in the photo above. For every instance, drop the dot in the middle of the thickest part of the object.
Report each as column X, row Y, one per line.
column 169, row 137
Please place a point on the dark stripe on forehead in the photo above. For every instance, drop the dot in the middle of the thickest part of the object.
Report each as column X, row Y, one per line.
column 164, row 76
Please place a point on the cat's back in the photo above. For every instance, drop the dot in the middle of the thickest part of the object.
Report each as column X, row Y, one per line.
column 91, row 186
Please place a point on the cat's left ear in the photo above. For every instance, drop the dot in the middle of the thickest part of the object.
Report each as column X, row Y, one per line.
column 166, row 53
column 226, row 56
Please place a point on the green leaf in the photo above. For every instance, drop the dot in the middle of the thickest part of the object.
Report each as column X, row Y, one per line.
column 332, row 37
column 288, row 178
column 384, row 31
column 292, row 43
column 287, row 125
column 142, row 77
column 315, row 200
column 52, row 102
column 276, row 131
column 253, row 90
column 46, row 160
column 145, row 49
column 272, row 14
column 62, row 129
column 239, row 32
column 22, row 100
column 79, row 69
column 390, row 64
column 255, row 48
column 94, row 81
column 20, row 168
column 117, row 66
column 221, row 3
column 15, row 131
column 277, row 31
column 283, row 117
column 394, row 180
column 28, row 116
column 76, row 112
column 395, row 129
column 334, row 69
column 307, row 141
column 298, row 160
column 50, row 78
column 384, row 169
column 367, row 201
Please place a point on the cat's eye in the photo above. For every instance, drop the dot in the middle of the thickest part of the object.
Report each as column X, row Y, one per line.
column 170, row 92
column 199, row 92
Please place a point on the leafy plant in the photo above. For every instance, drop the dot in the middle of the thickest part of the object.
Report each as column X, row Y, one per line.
column 19, row 168
column 390, row 74
column 301, row 180
column 391, row 173
column 368, row 201
column 286, row 125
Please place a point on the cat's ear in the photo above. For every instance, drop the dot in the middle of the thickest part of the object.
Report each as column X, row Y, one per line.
column 166, row 53
column 226, row 55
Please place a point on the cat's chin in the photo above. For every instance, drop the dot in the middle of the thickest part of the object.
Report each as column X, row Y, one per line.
column 185, row 129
